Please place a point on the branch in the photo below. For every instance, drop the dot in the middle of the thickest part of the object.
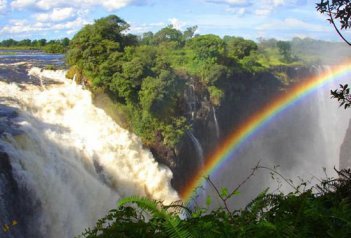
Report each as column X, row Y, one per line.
column 224, row 200
column 331, row 20
column 245, row 180
column 280, row 175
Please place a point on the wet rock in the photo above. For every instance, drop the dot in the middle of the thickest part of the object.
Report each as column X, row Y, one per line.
column 345, row 150
column 7, row 121
column 18, row 208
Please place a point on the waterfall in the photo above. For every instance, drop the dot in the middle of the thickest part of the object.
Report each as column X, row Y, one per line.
column 73, row 159
column 301, row 141
column 198, row 148
column 332, row 121
column 191, row 100
column 216, row 122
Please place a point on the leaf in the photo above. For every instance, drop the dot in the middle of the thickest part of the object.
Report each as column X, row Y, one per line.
column 208, row 200
column 224, row 192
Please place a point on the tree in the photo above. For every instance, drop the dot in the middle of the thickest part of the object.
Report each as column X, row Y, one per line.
column 238, row 47
column 338, row 10
column 65, row 42
column 207, row 47
column 284, row 49
column 42, row 42
column 169, row 34
column 147, row 38
column 189, row 32
column 94, row 44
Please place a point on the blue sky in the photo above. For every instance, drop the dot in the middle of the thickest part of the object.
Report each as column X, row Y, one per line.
column 281, row 19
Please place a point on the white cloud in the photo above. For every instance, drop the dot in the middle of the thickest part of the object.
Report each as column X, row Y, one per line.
column 3, row 4
column 109, row 5
column 292, row 23
column 264, row 11
column 177, row 24
column 56, row 15
column 70, row 25
column 258, row 8
column 236, row 1
column 236, row 11
column 142, row 28
column 230, row 2
column 16, row 26
column 20, row 4
column 276, row 3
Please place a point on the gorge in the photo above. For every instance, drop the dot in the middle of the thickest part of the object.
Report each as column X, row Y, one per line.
column 59, row 152
column 122, row 116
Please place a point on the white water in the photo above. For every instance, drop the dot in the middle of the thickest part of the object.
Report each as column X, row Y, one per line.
column 302, row 140
column 216, row 122
column 198, row 148
column 76, row 159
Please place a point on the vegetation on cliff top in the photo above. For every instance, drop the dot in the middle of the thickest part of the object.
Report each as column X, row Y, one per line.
column 146, row 75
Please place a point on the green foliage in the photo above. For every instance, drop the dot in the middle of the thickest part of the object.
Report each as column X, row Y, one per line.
column 152, row 219
column 53, row 46
column 251, row 63
column 238, row 47
column 171, row 222
column 94, row 46
column 284, row 49
column 207, row 48
column 147, row 75
column 168, row 34
column 216, row 95
column 326, row 212
column 189, row 33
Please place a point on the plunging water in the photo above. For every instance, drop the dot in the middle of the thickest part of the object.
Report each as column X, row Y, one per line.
column 198, row 148
column 216, row 122
column 70, row 160
column 302, row 141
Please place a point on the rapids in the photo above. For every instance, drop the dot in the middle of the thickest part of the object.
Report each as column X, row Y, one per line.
column 71, row 161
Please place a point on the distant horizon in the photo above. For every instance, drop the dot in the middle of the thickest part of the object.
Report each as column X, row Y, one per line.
column 140, row 34
column 279, row 19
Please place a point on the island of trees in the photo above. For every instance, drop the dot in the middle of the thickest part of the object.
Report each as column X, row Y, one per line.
column 51, row 46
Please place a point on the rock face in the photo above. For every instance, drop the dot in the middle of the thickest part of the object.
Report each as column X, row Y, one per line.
column 345, row 150
column 244, row 94
column 17, row 207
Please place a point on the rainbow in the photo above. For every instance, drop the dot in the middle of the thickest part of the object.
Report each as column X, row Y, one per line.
column 230, row 146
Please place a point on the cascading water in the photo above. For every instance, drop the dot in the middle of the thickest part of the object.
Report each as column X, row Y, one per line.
column 332, row 122
column 302, row 141
column 191, row 100
column 71, row 159
column 198, row 148
column 216, row 122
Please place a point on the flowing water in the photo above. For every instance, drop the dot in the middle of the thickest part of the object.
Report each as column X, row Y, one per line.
column 69, row 161
column 64, row 163
column 303, row 142
column 216, row 122
column 198, row 148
